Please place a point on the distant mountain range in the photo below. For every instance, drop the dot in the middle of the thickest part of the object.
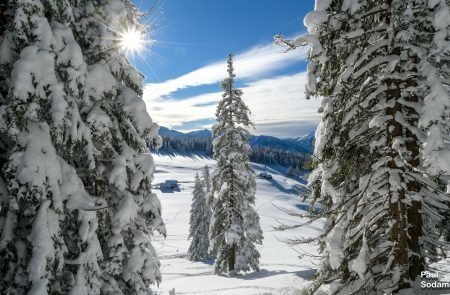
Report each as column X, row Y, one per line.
column 166, row 132
column 304, row 144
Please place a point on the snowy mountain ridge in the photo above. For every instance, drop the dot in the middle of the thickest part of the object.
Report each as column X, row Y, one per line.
column 303, row 144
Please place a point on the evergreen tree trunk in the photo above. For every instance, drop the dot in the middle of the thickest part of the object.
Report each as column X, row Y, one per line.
column 407, row 230
column 232, row 258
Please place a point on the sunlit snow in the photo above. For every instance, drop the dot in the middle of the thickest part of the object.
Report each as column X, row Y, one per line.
column 282, row 271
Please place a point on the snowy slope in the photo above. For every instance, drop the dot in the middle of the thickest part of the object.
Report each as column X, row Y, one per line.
column 282, row 272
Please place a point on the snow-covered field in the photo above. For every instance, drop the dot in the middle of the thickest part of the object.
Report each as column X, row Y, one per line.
column 282, row 271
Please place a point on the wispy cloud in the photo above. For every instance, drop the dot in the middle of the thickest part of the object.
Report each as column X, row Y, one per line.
column 277, row 103
column 252, row 64
column 286, row 129
column 280, row 99
column 170, row 112
column 278, row 107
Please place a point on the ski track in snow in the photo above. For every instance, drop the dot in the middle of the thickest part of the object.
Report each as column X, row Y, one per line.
column 282, row 271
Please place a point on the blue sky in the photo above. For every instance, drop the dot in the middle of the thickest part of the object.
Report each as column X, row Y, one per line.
column 187, row 61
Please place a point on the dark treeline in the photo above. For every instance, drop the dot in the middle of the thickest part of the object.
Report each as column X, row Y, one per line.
column 186, row 146
column 202, row 146
column 271, row 156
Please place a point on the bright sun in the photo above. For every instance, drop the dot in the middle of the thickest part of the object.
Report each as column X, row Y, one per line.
column 132, row 41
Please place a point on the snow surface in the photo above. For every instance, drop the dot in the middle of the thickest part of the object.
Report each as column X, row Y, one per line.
column 282, row 271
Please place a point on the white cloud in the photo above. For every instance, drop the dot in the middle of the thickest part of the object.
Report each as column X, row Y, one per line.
column 278, row 104
column 280, row 99
column 278, row 107
column 171, row 112
column 252, row 64
column 286, row 129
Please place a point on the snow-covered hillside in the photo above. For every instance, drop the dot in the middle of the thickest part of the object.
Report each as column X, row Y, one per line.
column 282, row 271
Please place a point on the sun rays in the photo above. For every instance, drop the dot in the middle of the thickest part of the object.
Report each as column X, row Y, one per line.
column 133, row 41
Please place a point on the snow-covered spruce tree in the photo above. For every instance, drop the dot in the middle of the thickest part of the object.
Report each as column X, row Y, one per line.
column 76, row 208
column 207, row 182
column 234, row 228
column 206, row 179
column 199, row 223
column 371, row 62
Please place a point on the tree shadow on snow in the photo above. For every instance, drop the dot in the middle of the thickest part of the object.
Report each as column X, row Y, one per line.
column 306, row 274
column 193, row 155
column 186, row 274
column 282, row 188
column 169, row 190
column 264, row 273
column 209, row 261
column 306, row 207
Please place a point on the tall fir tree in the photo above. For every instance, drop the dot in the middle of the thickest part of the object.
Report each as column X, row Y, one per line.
column 76, row 208
column 206, row 179
column 199, row 223
column 234, row 228
column 385, row 122
column 206, row 175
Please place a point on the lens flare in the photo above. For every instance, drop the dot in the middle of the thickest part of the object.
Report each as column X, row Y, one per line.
column 132, row 41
